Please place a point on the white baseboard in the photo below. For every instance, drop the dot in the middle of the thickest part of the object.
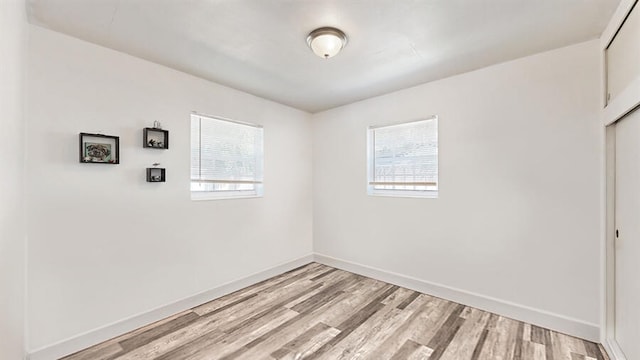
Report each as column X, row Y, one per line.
column 520, row 312
column 120, row 327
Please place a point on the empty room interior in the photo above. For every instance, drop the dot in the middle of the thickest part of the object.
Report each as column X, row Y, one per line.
column 320, row 179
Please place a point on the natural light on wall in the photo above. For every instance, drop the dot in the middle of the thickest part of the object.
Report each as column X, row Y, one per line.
column 403, row 159
column 226, row 159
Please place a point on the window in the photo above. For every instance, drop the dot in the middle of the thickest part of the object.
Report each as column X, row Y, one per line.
column 226, row 159
column 403, row 159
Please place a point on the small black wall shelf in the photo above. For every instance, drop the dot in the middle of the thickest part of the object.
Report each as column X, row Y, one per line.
column 156, row 174
column 155, row 138
column 99, row 149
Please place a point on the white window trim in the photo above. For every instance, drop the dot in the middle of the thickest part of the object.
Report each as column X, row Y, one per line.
column 258, row 192
column 371, row 191
column 215, row 195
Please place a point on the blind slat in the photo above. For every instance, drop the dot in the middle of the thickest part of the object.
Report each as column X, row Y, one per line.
column 228, row 181
column 418, row 183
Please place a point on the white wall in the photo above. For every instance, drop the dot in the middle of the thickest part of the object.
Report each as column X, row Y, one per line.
column 104, row 244
column 13, row 35
column 518, row 217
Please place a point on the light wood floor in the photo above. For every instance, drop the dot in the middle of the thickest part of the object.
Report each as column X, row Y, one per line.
column 318, row 312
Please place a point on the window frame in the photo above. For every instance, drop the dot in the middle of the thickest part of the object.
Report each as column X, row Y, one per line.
column 372, row 191
column 256, row 192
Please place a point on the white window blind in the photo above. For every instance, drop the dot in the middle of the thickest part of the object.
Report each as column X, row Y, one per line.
column 226, row 158
column 403, row 159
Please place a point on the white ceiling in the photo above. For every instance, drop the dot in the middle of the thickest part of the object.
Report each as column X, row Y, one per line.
column 259, row 46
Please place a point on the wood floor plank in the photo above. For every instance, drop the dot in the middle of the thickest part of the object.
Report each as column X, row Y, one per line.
column 319, row 312
column 403, row 305
column 418, row 310
column 533, row 351
column 526, row 335
column 517, row 351
column 576, row 345
column 194, row 348
column 446, row 331
column 551, row 350
column 239, row 311
column 279, row 336
column 315, row 343
column 513, row 336
column 263, row 302
column 445, row 334
column 365, row 285
column 263, row 311
column 335, row 312
column 208, row 324
column 593, row 350
column 253, row 348
column 353, row 322
column 145, row 328
column 575, row 356
column 433, row 321
column 354, row 301
column 305, row 343
column 158, row 331
column 320, row 298
column 477, row 350
column 327, row 285
column 104, row 351
column 500, row 340
column 463, row 344
column 406, row 350
column 362, row 342
column 301, row 324
column 233, row 345
column 171, row 341
column 323, row 274
column 603, row 352
column 537, row 335
column 399, row 293
column 422, row 353
column 293, row 345
column 567, row 345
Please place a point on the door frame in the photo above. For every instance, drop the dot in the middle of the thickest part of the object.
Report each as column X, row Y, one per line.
column 612, row 111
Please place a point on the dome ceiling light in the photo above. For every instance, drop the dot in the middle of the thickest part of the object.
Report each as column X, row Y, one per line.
column 326, row 42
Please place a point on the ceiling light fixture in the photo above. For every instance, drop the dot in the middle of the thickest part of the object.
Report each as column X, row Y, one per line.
column 326, row 42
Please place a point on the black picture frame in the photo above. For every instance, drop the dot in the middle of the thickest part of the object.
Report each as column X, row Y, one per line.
column 155, row 138
column 155, row 174
column 99, row 149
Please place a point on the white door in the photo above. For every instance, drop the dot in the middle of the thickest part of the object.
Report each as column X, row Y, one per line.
column 627, row 243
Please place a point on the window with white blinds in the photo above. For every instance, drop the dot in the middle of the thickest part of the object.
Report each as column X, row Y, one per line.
column 403, row 159
column 226, row 158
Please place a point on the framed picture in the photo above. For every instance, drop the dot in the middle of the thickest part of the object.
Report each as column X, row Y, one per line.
column 155, row 138
column 99, row 149
column 155, row 174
